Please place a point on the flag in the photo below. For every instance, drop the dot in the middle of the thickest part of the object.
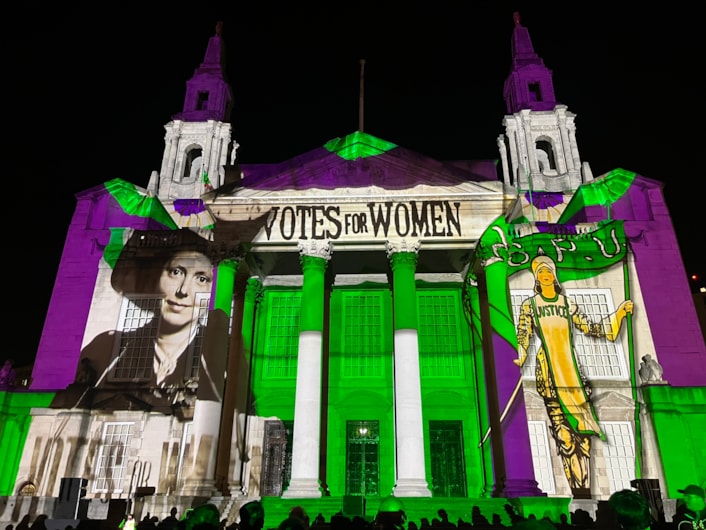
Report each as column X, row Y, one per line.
column 603, row 191
column 207, row 182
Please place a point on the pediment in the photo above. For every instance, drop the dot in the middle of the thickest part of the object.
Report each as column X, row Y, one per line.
column 122, row 401
column 363, row 165
column 612, row 399
column 532, row 398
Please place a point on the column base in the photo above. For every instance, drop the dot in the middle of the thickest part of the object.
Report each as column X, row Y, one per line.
column 200, row 488
column 236, row 491
column 302, row 489
column 411, row 488
column 521, row 488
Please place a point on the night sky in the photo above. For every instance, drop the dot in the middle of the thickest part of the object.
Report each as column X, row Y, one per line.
column 87, row 92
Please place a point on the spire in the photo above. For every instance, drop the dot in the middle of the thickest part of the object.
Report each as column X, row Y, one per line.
column 208, row 94
column 529, row 85
column 361, row 96
column 539, row 151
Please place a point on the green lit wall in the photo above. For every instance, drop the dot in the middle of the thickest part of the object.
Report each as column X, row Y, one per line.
column 360, row 385
column 679, row 417
column 15, row 419
column 275, row 347
column 359, row 377
column 448, row 375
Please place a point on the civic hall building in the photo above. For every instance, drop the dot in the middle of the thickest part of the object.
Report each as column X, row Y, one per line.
column 378, row 324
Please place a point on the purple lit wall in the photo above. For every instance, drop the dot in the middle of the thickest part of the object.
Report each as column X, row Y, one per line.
column 65, row 323
column 676, row 332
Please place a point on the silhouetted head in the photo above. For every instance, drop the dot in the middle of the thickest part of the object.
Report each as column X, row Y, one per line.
column 252, row 516
column 631, row 510
column 204, row 517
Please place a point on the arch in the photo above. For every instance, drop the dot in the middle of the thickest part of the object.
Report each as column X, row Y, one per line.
column 27, row 489
column 192, row 163
column 544, row 149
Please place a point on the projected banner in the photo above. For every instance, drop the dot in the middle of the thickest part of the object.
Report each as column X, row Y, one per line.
column 548, row 320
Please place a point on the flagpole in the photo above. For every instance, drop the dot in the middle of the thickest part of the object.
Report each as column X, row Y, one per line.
column 633, row 380
column 506, row 409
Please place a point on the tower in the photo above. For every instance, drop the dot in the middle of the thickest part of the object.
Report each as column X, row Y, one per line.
column 538, row 151
column 197, row 139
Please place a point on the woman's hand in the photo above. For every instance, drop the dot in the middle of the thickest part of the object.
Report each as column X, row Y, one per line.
column 626, row 308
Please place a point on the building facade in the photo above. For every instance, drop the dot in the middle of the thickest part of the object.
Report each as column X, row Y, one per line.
column 363, row 321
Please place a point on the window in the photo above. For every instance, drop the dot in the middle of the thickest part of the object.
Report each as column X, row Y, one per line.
column 448, row 468
column 541, row 459
column 282, row 334
column 194, row 359
column 112, row 457
column 362, row 458
column 439, row 337
column 534, row 90
column 276, row 457
column 137, row 329
column 202, row 101
column 545, row 155
column 598, row 358
column 193, row 165
column 364, row 333
column 619, row 454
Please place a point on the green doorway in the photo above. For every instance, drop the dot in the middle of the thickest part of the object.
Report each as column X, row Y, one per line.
column 448, row 467
column 362, row 458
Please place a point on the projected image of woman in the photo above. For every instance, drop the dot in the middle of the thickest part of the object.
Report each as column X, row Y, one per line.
column 552, row 316
column 153, row 361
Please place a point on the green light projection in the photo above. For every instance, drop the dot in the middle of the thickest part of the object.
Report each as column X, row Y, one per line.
column 358, row 145
column 15, row 420
column 134, row 202
column 603, row 191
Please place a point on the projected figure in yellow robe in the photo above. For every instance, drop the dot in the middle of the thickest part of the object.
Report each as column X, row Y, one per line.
column 550, row 315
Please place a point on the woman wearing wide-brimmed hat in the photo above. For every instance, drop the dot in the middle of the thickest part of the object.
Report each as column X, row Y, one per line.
column 154, row 364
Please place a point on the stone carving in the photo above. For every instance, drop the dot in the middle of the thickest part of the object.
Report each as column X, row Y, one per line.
column 392, row 247
column 650, row 370
column 315, row 248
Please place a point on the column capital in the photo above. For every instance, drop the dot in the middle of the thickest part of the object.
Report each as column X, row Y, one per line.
column 315, row 248
column 225, row 252
column 401, row 245
column 253, row 289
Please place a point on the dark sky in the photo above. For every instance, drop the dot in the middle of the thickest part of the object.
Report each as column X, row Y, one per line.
column 87, row 92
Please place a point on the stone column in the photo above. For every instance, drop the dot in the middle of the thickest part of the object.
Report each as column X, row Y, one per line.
column 209, row 395
column 168, row 148
column 528, row 141
column 314, row 256
column 502, row 150
column 567, row 154
column 239, row 382
column 235, row 400
column 409, row 432
column 173, row 155
column 515, row 151
column 208, row 161
column 512, row 455
column 574, row 146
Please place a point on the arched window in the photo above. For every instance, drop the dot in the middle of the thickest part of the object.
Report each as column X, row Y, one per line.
column 193, row 161
column 545, row 156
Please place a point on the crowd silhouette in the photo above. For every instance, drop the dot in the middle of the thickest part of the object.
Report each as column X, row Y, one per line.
column 252, row 517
